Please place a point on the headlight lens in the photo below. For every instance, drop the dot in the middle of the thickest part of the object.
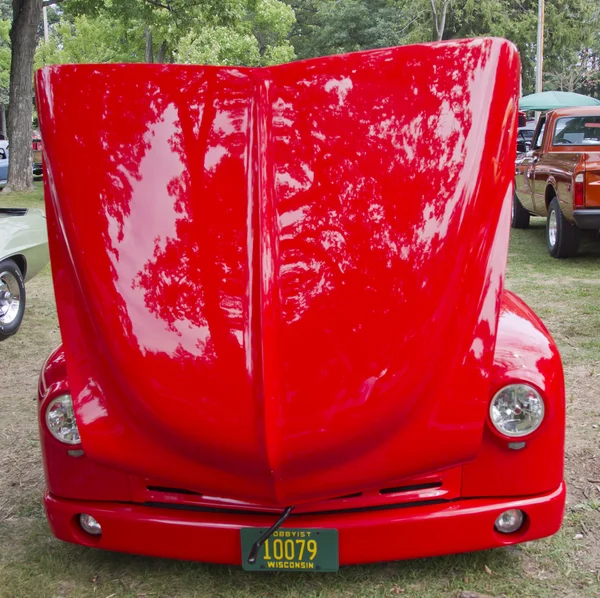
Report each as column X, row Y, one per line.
column 517, row 410
column 60, row 419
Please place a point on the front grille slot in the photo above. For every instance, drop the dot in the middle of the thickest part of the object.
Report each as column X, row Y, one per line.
column 172, row 490
column 413, row 488
column 426, row 489
column 355, row 495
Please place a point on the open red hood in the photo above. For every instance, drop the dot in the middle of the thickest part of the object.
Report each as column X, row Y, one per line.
column 282, row 284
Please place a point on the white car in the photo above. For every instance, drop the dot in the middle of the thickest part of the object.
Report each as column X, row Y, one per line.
column 23, row 253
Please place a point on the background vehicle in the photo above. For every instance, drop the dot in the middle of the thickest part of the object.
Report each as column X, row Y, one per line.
column 3, row 162
column 559, row 178
column 23, row 253
column 525, row 137
column 37, row 165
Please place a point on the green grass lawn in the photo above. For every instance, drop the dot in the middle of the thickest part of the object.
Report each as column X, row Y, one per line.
column 25, row 199
column 33, row 564
column 564, row 293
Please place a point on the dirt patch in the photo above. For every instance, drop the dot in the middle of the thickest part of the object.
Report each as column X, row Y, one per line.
column 22, row 358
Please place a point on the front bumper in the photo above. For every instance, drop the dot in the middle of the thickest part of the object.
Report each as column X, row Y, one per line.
column 587, row 219
column 368, row 536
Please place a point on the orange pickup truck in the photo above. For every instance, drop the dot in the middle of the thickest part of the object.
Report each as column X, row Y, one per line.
column 559, row 178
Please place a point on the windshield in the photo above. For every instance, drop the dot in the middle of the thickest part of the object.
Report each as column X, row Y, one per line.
column 577, row 130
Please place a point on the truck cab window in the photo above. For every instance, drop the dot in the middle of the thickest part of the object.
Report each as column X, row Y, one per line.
column 580, row 130
column 539, row 133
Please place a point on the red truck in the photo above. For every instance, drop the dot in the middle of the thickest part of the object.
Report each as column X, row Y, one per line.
column 559, row 178
column 286, row 339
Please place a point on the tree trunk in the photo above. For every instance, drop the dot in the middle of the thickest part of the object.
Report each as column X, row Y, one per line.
column 439, row 18
column 3, row 120
column 23, row 36
column 149, row 51
column 162, row 53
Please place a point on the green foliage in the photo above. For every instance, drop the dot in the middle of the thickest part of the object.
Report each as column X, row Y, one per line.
column 4, row 60
column 247, row 32
column 511, row 19
column 91, row 39
column 571, row 29
column 261, row 32
column 259, row 37
column 6, row 10
column 327, row 27
column 271, row 22
column 278, row 54
column 572, row 39
column 219, row 45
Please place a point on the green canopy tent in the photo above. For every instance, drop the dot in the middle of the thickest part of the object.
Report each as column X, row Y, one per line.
column 550, row 100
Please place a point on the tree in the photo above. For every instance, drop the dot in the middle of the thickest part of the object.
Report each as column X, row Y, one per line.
column 92, row 39
column 576, row 72
column 326, row 27
column 4, row 71
column 439, row 8
column 165, row 22
column 571, row 29
column 259, row 38
column 23, row 37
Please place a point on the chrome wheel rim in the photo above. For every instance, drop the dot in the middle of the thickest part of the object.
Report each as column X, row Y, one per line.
column 512, row 210
column 552, row 228
column 10, row 298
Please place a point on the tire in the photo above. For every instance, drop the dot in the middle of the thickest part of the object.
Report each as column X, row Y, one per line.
column 12, row 298
column 562, row 236
column 520, row 216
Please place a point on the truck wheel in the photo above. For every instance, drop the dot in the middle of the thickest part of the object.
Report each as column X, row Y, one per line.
column 520, row 216
column 12, row 298
column 562, row 236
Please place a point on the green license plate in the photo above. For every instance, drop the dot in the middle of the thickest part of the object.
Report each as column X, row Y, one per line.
column 292, row 549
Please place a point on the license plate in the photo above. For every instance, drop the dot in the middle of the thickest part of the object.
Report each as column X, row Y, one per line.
column 292, row 549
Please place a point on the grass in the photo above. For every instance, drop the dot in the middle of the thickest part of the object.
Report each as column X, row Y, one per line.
column 34, row 564
column 24, row 199
column 565, row 293
column 47, row 568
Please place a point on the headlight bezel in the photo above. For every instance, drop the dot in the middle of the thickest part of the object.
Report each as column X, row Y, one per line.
column 67, row 400
column 511, row 436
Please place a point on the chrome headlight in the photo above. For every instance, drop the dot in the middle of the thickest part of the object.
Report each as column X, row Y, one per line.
column 517, row 410
column 60, row 419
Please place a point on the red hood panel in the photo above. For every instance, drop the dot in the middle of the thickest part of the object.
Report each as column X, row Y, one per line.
column 282, row 284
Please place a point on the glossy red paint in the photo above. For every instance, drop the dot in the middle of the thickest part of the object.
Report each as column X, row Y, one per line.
column 525, row 352
column 285, row 285
column 364, row 537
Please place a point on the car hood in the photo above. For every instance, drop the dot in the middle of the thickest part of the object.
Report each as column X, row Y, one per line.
column 21, row 230
column 282, row 284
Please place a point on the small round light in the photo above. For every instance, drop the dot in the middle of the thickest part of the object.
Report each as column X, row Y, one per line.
column 517, row 410
column 510, row 521
column 89, row 524
column 60, row 419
